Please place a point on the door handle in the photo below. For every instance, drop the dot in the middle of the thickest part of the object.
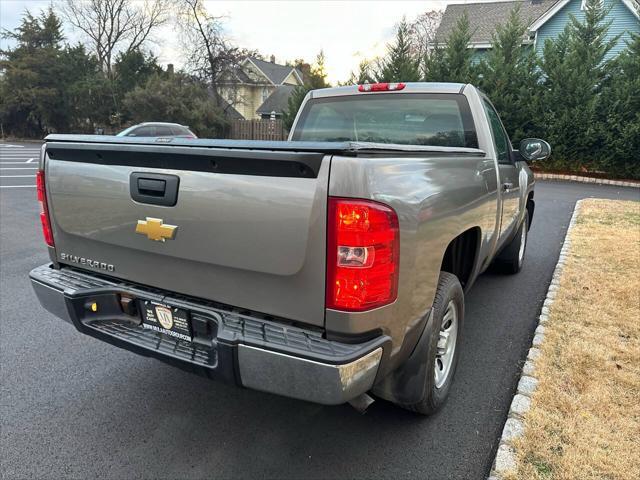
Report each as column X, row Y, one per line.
column 507, row 186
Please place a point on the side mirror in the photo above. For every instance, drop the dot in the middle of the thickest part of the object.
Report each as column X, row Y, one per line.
column 533, row 149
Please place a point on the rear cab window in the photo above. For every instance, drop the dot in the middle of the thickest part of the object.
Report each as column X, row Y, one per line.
column 400, row 118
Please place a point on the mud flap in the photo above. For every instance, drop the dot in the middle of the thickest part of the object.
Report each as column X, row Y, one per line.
column 406, row 385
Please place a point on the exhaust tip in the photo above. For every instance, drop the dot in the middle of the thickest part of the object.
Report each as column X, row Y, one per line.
column 361, row 403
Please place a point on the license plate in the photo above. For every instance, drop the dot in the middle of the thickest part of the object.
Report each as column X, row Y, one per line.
column 166, row 319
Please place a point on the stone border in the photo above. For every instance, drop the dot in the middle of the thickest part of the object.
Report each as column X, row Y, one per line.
column 506, row 460
column 579, row 178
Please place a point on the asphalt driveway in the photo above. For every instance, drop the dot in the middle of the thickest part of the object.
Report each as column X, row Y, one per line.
column 72, row 406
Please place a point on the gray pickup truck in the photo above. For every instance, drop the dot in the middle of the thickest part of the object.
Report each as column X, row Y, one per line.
column 323, row 268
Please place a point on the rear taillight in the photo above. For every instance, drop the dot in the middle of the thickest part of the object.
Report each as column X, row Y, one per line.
column 44, row 209
column 362, row 255
column 380, row 87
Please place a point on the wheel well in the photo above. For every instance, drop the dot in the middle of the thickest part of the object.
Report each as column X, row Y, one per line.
column 460, row 256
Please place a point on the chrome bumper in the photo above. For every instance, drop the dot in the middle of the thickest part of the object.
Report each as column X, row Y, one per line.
column 246, row 350
column 306, row 379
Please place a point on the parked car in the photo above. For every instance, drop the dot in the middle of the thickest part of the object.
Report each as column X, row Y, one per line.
column 157, row 129
column 321, row 268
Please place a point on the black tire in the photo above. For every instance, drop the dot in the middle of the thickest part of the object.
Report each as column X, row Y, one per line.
column 449, row 290
column 511, row 259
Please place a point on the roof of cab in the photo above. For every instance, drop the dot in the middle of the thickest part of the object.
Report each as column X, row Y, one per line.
column 410, row 87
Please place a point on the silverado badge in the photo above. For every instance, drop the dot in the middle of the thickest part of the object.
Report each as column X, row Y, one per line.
column 154, row 229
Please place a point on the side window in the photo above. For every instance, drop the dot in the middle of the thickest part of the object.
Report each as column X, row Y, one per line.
column 499, row 135
column 143, row 132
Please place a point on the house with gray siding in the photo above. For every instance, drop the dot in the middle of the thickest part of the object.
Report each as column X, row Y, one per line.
column 545, row 20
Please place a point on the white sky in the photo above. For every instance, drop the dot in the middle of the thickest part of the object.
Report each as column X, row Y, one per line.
column 347, row 31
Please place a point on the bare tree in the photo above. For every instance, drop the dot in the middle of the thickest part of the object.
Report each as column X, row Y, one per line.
column 209, row 54
column 422, row 32
column 114, row 26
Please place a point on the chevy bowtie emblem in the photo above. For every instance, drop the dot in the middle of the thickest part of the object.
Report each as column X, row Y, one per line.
column 154, row 229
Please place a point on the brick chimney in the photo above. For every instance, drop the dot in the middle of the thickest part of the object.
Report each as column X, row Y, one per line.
column 170, row 68
column 273, row 59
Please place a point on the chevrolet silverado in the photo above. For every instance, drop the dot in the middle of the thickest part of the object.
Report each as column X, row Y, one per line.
column 325, row 268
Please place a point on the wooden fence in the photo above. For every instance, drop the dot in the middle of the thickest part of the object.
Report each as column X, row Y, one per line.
column 257, row 130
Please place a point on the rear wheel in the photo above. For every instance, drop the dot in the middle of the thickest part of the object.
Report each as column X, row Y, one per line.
column 511, row 258
column 444, row 344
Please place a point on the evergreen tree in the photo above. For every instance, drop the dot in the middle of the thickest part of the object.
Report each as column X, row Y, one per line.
column 574, row 69
column 89, row 95
column 620, row 114
column 316, row 79
column 176, row 98
column 452, row 62
column 293, row 105
column 134, row 68
column 364, row 74
column 400, row 65
column 32, row 72
column 510, row 77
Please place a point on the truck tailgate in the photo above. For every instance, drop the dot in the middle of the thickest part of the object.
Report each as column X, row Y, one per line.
column 250, row 224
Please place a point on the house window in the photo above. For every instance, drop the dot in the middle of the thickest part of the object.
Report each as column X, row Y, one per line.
column 265, row 93
column 583, row 5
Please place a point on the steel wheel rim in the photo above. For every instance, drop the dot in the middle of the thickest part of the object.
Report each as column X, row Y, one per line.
column 523, row 243
column 446, row 346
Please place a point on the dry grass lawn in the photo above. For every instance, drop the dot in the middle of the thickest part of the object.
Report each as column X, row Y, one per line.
column 585, row 417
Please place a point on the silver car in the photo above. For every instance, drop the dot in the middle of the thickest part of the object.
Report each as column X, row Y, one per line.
column 157, row 129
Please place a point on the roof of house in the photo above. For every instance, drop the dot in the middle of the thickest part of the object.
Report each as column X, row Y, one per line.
column 632, row 5
column 276, row 102
column 230, row 112
column 227, row 109
column 483, row 17
column 274, row 72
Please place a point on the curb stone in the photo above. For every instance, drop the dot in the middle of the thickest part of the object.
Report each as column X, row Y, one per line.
column 578, row 178
column 506, row 459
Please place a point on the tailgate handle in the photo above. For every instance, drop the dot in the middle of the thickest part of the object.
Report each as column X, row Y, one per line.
column 148, row 186
column 154, row 188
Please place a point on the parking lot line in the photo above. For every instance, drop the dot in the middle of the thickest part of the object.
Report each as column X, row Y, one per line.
column 17, row 186
column 19, row 168
column 19, row 152
column 11, row 163
column 17, row 176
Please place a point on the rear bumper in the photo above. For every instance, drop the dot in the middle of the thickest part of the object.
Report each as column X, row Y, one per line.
column 240, row 347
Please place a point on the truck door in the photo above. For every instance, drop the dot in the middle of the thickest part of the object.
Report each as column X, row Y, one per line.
column 509, row 185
